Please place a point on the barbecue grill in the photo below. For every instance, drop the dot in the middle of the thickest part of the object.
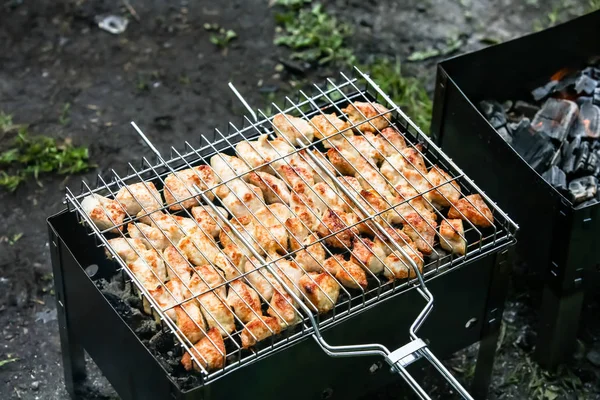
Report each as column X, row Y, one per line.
column 379, row 310
column 558, row 238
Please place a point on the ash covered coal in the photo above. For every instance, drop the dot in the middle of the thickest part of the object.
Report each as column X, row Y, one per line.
column 160, row 342
column 557, row 131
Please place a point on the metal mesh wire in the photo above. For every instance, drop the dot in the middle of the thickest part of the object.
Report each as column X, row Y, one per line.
column 295, row 160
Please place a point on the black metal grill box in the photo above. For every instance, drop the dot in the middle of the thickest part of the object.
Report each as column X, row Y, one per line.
column 557, row 240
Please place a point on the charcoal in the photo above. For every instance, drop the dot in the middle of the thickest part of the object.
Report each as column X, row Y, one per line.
column 515, row 126
column 527, row 109
column 589, row 120
column 503, row 132
column 586, row 161
column 592, row 72
column 556, row 177
column 555, row 118
column 494, row 112
column 585, row 85
column 583, row 189
column 581, row 100
column 544, row 91
column 498, row 120
column 507, row 106
column 596, row 99
column 567, row 82
column 535, row 147
column 569, row 156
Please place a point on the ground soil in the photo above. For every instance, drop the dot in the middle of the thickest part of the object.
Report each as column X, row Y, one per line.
column 164, row 73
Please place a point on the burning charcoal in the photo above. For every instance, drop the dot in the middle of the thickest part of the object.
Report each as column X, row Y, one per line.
column 503, row 132
column 567, row 82
column 556, row 177
column 527, row 109
column 494, row 112
column 569, row 156
column 587, row 123
column 544, row 91
column 585, row 85
column 555, row 118
column 583, row 189
column 535, row 147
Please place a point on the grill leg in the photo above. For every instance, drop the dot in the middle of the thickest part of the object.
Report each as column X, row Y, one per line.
column 491, row 329
column 557, row 331
column 72, row 352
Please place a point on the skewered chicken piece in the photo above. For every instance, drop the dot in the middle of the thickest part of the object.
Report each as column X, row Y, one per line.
column 252, row 233
column 293, row 128
column 207, row 277
column 398, row 266
column 453, row 232
column 151, row 236
column 179, row 186
column 331, row 127
column 290, row 273
column 311, row 259
column 105, row 213
column 273, row 235
column 305, row 195
column 281, row 307
column 244, row 301
column 408, row 202
column 398, row 237
column 370, row 178
column 296, row 175
column 274, row 189
column 208, row 219
column 127, row 249
column 348, row 273
column 177, row 265
column 320, row 291
column 338, row 224
column 444, row 195
column 330, row 197
column 225, row 263
column 473, row 209
column 139, row 196
column 236, row 255
column 369, row 254
column 264, row 151
column 364, row 144
column 228, row 167
column 390, row 141
column 209, row 351
column 397, row 165
column 149, row 269
column 217, row 313
column 420, row 230
column 319, row 175
column 173, row 226
column 359, row 111
column 241, row 198
column 199, row 247
column 259, row 329
column 260, row 278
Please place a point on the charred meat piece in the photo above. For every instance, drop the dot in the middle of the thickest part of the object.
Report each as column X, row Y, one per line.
column 398, row 266
column 348, row 273
column 376, row 114
column 210, row 353
column 472, row 208
column 421, row 231
column 321, row 291
column 105, row 213
column 389, row 141
column 179, row 186
column 208, row 220
column 446, row 194
column 329, row 126
column 127, row 249
column 139, row 196
column 244, row 300
column 338, row 224
column 259, row 329
column 368, row 254
column 274, row 189
column 452, row 234
column 293, row 128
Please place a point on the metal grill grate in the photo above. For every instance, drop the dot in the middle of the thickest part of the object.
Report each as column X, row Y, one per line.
column 367, row 213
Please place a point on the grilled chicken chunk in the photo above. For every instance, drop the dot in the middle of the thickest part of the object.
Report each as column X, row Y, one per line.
column 227, row 266
column 244, row 301
column 208, row 220
column 274, row 189
column 177, row 264
column 293, row 128
column 319, row 174
column 105, row 213
column 207, row 277
column 473, row 209
column 369, row 254
column 389, row 141
column 377, row 115
column 408, row 202
column 264, row 151
column 421, row 231
column 179, row 186
column 398, row 266
column 398, row 238
column 199, row 247
column 252, row 233
column 210, row 353
column 370, row 178
column 149, row 269
column 228, row 167
column 139, row 196
column 270, row 220
column 348, row 273
column 396, row 166
column 311, row 259
column 151, row 236
column 281, row 307
column 338, row 224
column 331, row 127
column 305, row 195
column 241, row 198
column 330, row 197
column 260, row 278
column 444, row 195
column 172, row 226
column 217, row 313
column 127, row 249
column 341, row 161
column 259, row 329
column 452, row 234
column 320, row 290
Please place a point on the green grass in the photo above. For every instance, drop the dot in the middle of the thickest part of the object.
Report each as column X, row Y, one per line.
column 64, row 114
column 289, row 3
column 29, row 157
column 407, row 92
column 222, row 37
column 314, row 36
column 593, row 5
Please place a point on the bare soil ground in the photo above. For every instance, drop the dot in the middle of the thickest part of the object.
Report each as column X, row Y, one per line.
column 164, row 73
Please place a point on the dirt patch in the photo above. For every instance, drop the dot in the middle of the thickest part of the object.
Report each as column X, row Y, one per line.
column 165, row 74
